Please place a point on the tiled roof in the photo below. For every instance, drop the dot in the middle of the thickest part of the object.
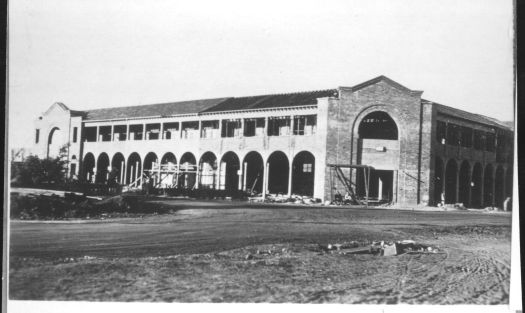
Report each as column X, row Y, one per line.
column 160, row 109
column 210, row 105
column 272, row 101
column 469, row 116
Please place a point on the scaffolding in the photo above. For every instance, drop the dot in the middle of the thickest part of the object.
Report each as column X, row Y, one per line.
column 337, row 172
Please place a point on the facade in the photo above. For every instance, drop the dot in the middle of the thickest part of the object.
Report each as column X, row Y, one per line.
column 379, row 139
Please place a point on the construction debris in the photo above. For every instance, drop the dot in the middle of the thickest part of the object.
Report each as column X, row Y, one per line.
column 380, row 248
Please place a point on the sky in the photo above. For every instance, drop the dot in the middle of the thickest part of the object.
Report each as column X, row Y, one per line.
column 108, row 53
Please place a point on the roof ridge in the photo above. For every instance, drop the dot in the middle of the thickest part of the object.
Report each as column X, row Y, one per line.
column 289, row 93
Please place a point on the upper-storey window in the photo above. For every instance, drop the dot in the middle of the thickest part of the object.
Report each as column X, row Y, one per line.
column 37, row 135
column 466, row 137
column 305, row 125
column 136, row 131
column 170, row 130
column 104, row 133
column 453, row 134
column 490, row 142
column 441, row 132
column 279, row 126
column 75, row 134
column 479, row 139
column 210, row 129
column 190, row 130
column 231, row 128
column 254, row 127
column 119, row 132
column 90, row 134
column 152, row 131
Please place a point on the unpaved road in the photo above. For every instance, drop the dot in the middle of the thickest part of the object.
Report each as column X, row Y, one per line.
column 199, row 255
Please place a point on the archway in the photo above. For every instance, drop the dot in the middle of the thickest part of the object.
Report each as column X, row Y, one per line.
column 253, row 172
column 378, row 125
column 55, row 141
column 278, row 169
column 464, row 183
column 488, row 184
column 88, row 165
column 102, row 168
column 451, row 173
column 303, row 173
column 149, row 160
column 118, row 164
column 188, row 171
column 499, row 187
column 230, row 166
column 168, row 164
column 208, row 168
column 438, row 180
column 476, row 183
column 133, row 168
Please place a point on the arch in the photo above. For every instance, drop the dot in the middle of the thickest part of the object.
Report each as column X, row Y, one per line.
column 253, row 172
column 378, row 125
column 499, row 188
column 118, row 163
column 438, row 180
column 149, row 159
column 133, row 167
column 476, row 183
column 168, row 158
column 88, row 165
column 188, row 171
column 488, row 184
column 208, row 169
column 278, row 169
column 451, row 173
column 102, row 168
column 229, row 177
column 303, row 173
column 55, row 141
column 464, row 183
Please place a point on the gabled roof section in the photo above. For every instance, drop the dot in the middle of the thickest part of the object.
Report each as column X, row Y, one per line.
column 478, row 118
column 57, row 105
column 160, row 109
column 387, row 80
column 272, row 101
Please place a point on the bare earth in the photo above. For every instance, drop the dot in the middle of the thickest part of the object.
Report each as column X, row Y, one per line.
column 206, row 252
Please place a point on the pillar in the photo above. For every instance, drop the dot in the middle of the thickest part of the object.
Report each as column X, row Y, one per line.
column 122, row 172
column 112, row 132
column 240, row 177
column 245, row 166
column 380, row 189
column 292, row 124
column 290, row 170
column 265, row 180
column 98, row 133
column 137, row 171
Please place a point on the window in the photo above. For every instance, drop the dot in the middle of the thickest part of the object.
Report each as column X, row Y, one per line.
column 190, row 130
column 170, row 130
column 75, row 131
column 479, row 139
column 253, row 127
column 119, row 132
column 210, row 129
column 231, row 128
column 279, row 126
column 490, row 141
column 135, row 132
column 90, row 134
column 152, row 131
column 104, row 133
column 466, row 137
column 305, row 124
column 307, row 167
column 37, row 135
column 441, row 132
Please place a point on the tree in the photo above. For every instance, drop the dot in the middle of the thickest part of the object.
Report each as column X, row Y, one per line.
column 34, row 170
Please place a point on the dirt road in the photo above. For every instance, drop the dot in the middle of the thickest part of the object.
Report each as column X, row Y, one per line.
column 209, row 255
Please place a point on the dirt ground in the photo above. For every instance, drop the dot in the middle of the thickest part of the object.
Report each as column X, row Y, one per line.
column 207, row 252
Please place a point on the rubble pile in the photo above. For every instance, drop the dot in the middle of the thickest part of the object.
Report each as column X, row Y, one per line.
column 282, row 198
column 382, row 248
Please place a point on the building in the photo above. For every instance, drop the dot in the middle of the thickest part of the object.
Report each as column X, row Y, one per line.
column 379, row 139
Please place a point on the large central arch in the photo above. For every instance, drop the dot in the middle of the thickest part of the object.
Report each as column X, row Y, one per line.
column 378, row 125
column 55, row 141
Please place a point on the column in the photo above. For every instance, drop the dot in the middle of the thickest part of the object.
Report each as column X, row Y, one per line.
column 161, row 134
column 180, row 130
column 143, row 132
column 290, row 170
column 242, row 127
column 98, row 133
column 127, row 131
column 380, row 189
column 198, row 175
column 220, row 128
column 265, row 180
column 240, row 177
column 112, row 132
column 245, row 166
column 122, row 172
column 218, row 180
column 137, row 171
column 292, row 124
column 265, row 127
